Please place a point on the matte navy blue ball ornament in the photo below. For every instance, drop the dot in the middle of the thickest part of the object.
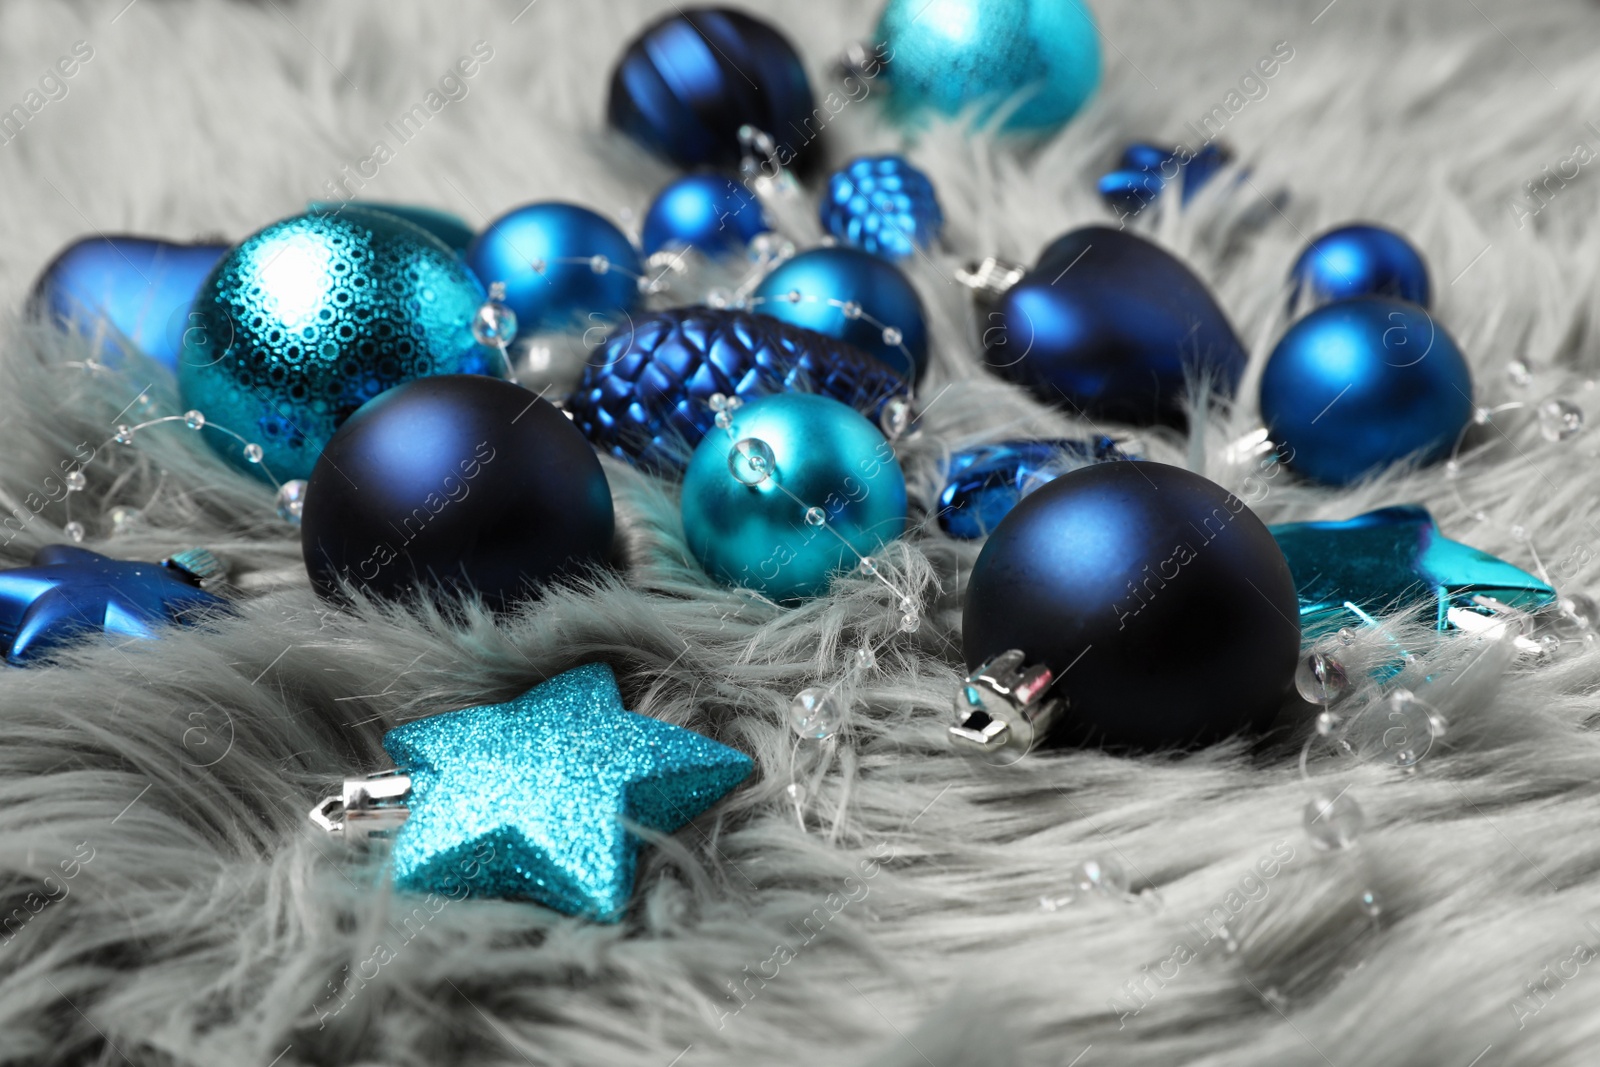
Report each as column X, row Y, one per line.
column 1133, row 605
column 1360, row 260
column 1361, row 384
column 687, row 82
column 708, row 212
column 1109, row 325
column 855, row 297
column 882, row 205
column 458, row 483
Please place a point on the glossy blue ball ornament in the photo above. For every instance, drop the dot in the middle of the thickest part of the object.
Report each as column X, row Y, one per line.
column 1360, row 384
column 708, row 212
column 855, row 297
column 798, row 488
column 1360, row 260
column 138, row 288
column 308, row 319
column 1109, row 325
column 1040, row 57
column 1160, row 602
column 882, row 205
column 563, row 266
column 1146, row 169
column 983, row 483
column 687, row 82
column 451, row 229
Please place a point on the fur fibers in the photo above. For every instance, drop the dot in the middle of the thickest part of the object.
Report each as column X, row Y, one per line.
column 179, row 909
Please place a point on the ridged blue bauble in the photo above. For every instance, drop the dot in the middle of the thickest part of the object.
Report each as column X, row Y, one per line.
column 856, row 297
column 451, row 229
column 1110, row 326
column 882, row 205
column 561, row 264
column 1041, row 56
column 708, row 212
column 308, row 319
column 687, row 82
column 1161, row 603
column 1360, row 260
column 746, row 519
column 137, row 287
column 1360, row 384
column 646, row 392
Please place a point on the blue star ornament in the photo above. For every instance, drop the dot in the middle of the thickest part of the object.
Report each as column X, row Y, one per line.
column 70, row 592
column 1390, row 559
column 536, row 796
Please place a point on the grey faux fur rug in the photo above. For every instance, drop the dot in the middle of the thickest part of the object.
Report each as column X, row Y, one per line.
column 176, row 907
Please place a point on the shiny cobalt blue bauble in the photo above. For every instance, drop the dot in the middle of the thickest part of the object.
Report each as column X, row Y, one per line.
column 451, row 229
column 983, row 484
column 1158, row 600
column 1146, row 169
column 139, row 288
column 458, row 483
column 308, row 319
column 1108, row 325
column 686, row 83
column 1037, row 60
column 797, row 488
column 855, row 297
column 1360, row 260
column 562, row 265
column 882, row 205
column 707, row 212
column 1360, row 384
column 646, row 392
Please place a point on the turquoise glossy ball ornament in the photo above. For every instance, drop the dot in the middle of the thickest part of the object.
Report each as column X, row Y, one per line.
column 1038, row 59
column 308, row 319
column 793, row 489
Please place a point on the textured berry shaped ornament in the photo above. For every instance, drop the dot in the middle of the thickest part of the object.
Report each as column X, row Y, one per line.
column 882, row 205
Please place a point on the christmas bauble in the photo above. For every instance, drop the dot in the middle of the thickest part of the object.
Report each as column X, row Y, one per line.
column 563, row 266
column 1363, row 383
column 646, row 393
column 853, row 296
column 708, row 212
column 1108, row 325
column 306, row 320
column 882, row 205
column 1040, row 57
column 1158, row 600
column 1360, row 260
column 451, row 229
column 796, row 488
column 983, row 483
column 1145, row 169
column 687, row 82
column 458, row 482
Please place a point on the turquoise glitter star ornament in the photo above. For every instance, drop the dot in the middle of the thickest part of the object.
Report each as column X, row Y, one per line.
column 532, row 799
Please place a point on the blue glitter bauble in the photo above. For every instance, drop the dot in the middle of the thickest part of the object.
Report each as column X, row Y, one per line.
column 1146, row 169
column 686, row 83
column 1109, row 325
column 708, row 212
column 646, row 392
column 1360, row 260
column 984, row 483
column 858, row 298
column 1041, row 56
column 1360, row 384
column 451, row 229
column 1158, row 599
column 882, row 205
column 308, row 319
column 546, row 255
column 825, row 461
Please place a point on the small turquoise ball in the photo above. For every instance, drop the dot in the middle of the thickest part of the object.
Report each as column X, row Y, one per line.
column 882, row 205
column 708, row 212
column 1360, row 260
column 826, row 462
column 1360, row 384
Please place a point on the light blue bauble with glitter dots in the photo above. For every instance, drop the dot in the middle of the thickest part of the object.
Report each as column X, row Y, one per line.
column 948, row 55
column 796, row 488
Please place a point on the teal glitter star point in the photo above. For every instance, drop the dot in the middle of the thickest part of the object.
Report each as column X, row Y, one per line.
column 531, row 799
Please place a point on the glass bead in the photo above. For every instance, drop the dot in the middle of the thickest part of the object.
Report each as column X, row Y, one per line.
column 124, row 434
column 910, row 622
column 793, row 296
column 194, row 419
column 1099, row 876
column 1320, row 679
column 253, row 452
column 124, row 518
column 599, row 264
column 291, row 500
column 494, row 325
column 866, row 659
column 850, row 309
column 76, row 481
column 891, row 336
column 718, row 401
column 1519, row 532
column 868, row 566
column 1333, row 820
column 1559, row 419
column 1519, row 374
column 1371, row 904
column 1452, row 469
column 751, row 460
column 538, row 266
column 1481, row 416
column 74, row 530
column 815, row 516
column 719, row 298
column 895, row 417
column 722, row 420
column 815, row 713
column 1326, row 723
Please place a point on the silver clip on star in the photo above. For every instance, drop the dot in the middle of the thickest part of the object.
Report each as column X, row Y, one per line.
column 374, row 806
column 1006, row 706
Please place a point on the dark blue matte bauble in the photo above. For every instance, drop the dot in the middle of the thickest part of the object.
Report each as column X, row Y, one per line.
column 451, row 229
column 983, row 483
column 460, row 483
column 1110, row 326
column 1146, row 169
column 708, row 212
column 1360, row 384
column 138, row 287
column 685, row 85
column 882, row 205
column 546, row 253
column 856, row 297
column 646, row 393
column 1360, row 260
column 1159, row 600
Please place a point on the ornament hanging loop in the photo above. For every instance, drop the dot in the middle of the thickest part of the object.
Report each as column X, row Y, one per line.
column 1005, row 706
column 374, row 806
